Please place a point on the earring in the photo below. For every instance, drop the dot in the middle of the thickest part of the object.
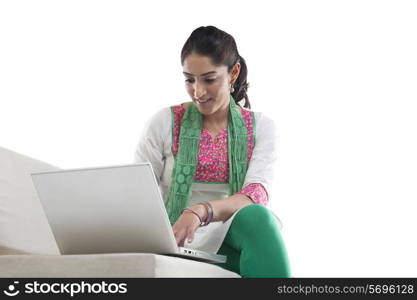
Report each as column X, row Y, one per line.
column 232, row 89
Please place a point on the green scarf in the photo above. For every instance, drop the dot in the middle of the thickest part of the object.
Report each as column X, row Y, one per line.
column 185, row 163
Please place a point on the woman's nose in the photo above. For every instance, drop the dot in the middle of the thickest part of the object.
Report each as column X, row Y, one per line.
column 199, row 91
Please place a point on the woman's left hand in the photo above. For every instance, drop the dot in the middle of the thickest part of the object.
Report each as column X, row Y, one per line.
column 187, row 224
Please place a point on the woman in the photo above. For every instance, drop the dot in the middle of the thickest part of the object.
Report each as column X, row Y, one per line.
column 213, row 161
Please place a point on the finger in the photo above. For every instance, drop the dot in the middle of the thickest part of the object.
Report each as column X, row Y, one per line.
column 190, row 235
column 180, row 242
column 177, row 237
column 180, row 237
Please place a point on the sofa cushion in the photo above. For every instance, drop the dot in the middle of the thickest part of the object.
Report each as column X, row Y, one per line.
column 106, row 265
column 23, row 225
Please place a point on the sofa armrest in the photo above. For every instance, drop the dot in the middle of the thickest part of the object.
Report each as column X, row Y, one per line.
column 106, row 265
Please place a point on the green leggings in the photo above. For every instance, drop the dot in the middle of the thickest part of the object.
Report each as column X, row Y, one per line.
column 254, row 246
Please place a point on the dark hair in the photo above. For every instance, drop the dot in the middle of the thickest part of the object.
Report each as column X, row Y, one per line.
column 221, row 48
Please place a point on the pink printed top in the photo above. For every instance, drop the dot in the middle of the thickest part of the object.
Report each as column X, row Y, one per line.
column 212, row 164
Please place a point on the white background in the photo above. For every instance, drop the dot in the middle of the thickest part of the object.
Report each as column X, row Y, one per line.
column 78, row 79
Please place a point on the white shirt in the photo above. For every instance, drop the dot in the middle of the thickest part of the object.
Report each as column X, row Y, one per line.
column 155, row 146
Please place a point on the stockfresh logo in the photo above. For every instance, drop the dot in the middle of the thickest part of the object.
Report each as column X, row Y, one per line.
column 11, row 289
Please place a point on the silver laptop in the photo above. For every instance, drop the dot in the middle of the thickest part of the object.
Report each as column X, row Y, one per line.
column 108, row 210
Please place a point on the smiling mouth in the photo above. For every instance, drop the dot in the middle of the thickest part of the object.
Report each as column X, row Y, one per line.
column 204, row 101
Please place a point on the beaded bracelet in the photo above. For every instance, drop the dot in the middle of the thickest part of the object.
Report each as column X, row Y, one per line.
column 209, row 211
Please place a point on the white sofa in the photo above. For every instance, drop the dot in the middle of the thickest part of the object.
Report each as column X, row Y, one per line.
column 28, row 248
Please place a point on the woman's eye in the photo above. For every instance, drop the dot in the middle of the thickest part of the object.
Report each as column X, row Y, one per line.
column 208, row 80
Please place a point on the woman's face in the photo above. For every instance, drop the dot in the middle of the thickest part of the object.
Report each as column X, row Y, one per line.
column 208, row 85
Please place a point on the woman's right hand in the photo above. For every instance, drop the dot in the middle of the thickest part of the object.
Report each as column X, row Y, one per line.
column 187, row 224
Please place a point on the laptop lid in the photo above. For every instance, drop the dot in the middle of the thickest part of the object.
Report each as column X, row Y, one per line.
column 106, row 210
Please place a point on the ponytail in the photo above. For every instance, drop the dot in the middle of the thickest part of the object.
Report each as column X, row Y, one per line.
column 241, row 85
